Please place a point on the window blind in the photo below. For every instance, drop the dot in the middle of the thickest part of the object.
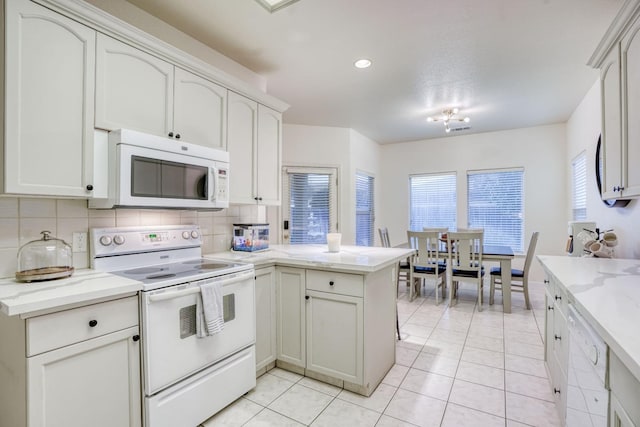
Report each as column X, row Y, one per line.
column 496, row 204
column 312, row 204
column 579, row 187
column 432, row 201
column 365, row 217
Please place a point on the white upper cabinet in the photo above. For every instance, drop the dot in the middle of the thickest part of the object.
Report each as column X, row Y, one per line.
column 254, row 142
column 630, row 48
column 618, row 58
column 49, row 97
column 611, row 120
column 200, row 110
column 134, row 90
column 269, row 152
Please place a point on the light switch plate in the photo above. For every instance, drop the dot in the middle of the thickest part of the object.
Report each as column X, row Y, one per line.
column 79, row 241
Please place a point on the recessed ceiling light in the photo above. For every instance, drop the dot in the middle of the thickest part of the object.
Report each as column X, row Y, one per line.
column 362, row 63
column 273, row 5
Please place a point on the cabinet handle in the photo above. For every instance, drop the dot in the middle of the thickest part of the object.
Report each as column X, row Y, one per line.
column 136, row 338
column 558, row 337
column 89, row 187
column 93, row 323
column 550, row 307
column 620, row 188
column 255, row 198
column 556, row 390
column 558, row 297
column 170, row 134
column 331, row 283
column 546, row 281
column 177, row 136
column 306, row 297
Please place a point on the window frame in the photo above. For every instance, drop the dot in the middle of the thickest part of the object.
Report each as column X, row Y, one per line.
column 447, row 224
column 488, row 236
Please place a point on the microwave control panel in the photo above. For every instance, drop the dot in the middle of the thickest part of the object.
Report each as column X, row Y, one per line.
column 222, row 191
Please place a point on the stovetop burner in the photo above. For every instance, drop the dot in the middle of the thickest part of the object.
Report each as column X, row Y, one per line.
column 144, row 270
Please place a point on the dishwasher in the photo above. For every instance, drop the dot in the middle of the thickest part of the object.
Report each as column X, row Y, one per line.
column 587, row 395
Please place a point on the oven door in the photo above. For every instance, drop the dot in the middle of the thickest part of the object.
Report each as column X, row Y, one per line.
column 171, row 349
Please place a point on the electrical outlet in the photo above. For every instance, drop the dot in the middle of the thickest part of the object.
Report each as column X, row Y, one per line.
column 79, row 241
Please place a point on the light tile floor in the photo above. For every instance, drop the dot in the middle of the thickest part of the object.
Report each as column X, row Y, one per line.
column 455, row 366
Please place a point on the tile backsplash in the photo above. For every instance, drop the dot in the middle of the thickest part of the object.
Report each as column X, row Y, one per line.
column 22, row 220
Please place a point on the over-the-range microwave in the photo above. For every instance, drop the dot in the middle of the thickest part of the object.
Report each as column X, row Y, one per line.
column 148, row 171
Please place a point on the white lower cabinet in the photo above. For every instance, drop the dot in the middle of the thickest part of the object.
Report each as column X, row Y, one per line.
column 290, row 331
column 624, row 410
column 265, row 317
column 334, row 335
column 335, row 326
column 93, row 383
column 72, row 368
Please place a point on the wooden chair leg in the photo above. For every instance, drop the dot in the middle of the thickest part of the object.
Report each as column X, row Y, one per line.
column 398, row 324
column 492, row 289
column 525, row 290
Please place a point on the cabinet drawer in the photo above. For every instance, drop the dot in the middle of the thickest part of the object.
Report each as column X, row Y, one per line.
column 67, row 327
column 561, row 339
column 339, row 283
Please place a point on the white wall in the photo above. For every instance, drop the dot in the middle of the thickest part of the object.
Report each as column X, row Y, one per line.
column 365, row 157
column 539, row 150
column 583, row 129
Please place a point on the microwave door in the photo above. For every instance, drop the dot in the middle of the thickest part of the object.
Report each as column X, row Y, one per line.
column 212, row 183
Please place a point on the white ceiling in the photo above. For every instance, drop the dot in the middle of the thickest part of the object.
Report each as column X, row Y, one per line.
column 505, row 63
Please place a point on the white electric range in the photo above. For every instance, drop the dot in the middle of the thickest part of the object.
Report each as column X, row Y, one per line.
column 186, row 379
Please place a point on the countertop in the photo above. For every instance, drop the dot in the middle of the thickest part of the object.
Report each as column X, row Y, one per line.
column 87, row 285
column 82, row 287
column 606, row 292
column 355, row 259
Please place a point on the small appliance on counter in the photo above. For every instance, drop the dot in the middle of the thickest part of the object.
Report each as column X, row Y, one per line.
column 44, row 259
column 581, row 235
column 250, row 237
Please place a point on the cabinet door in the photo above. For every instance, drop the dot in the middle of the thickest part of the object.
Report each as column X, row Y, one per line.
column 335, row 335
column 548, row 327
column 50, row 68
column 134, row 90
column 630, row 48
column 242, row 120
column 200, row 110
column 93, row 383
column 611, row 124
column 290, row 293
column 265, row 317
column 618, row 417
column 269, row 155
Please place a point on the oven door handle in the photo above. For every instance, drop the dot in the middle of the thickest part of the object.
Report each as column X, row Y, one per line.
column 175, row 294
column 163, row 296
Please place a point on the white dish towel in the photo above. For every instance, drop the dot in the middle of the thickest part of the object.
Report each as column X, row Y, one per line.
column 209, row 310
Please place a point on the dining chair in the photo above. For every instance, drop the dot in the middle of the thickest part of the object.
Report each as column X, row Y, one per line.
column 403, row 270
column 464, row 249
column 519, row 278
column 427, row 263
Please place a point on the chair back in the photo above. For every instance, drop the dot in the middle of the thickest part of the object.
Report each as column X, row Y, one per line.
column 465, row 251
column 530, row 252
column 427, row 244
column 384, row 237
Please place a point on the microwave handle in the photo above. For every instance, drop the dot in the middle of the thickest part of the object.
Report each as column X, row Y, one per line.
column 213, row 179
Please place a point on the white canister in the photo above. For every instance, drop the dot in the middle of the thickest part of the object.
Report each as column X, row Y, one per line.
column 333, row 241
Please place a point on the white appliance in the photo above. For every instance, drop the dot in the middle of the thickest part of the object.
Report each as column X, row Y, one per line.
column 587, row 395
column 580, row 232
column 186, row 379
column 148, row 171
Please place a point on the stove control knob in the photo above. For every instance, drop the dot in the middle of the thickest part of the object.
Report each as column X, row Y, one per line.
column 195, row 234
column 185, row 235
column 105, row 240
column 118, row 239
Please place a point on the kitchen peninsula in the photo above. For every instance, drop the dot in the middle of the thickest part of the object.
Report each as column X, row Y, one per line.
column 329, row 316
column 335, row 315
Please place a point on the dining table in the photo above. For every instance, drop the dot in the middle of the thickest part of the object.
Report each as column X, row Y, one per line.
column 502, row 254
